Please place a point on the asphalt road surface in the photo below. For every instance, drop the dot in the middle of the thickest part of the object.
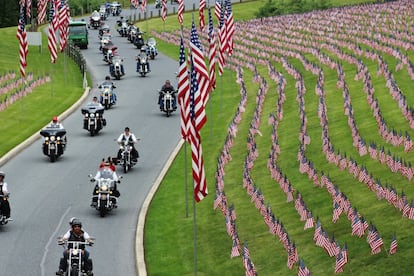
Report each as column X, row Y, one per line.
column 45, row 195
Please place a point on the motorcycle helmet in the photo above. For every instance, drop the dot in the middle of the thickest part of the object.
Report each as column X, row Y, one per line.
column 55, row 119
column 76, row 222
column 71, row 220
column 2, row 174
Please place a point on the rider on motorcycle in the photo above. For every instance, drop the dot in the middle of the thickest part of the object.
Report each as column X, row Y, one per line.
column 4, row 202
column 76, row 234
column 112, row 66
column 55, row 124
column 98, row 105
column 111, row 84
column 106, row 170
column 142, row 52
column 132, row 139
column 167, row 87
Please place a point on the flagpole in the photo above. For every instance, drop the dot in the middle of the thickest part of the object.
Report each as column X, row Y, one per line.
column 195, row 236
column 185, row 158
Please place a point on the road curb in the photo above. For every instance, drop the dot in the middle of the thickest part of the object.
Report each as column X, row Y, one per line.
column 17, row 149
column 139, row 239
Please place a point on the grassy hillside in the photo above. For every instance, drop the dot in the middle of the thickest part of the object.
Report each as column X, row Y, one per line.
column 331, row 61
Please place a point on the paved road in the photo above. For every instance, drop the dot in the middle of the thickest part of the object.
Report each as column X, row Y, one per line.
column 45, row 195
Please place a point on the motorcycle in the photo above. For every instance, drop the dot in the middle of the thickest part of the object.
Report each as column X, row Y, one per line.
column 104, row 29
column 123, row 28
column 116, row 69
column 109, row 51
column 139, row 39
column 105, row 41
column 167, row 102
column 142, row 64
column 126, row 160
column 116, row 9
column 102, row 12
column 93, row 120
column 54, row 143
column 3, row 218
column 132, row 33
column 106, row 194
column 106, row 97
column 151, row 49
column 76, row 265
column 95, row 20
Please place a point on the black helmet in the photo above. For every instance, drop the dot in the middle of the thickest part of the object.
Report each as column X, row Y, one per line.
column 76, row 222
column 107, row 78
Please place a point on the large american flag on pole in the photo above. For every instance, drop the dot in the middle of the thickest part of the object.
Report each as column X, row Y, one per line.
column 53, row 26
column 197, row 118
column 63, row 24
column 164, row 10
column 222, row 42
column 23, row 45
column 201, row 8
column 212, row 52
column 41, row 10
column 199, row 64
column 183, row 93
column 229, row 27
column 181, row 11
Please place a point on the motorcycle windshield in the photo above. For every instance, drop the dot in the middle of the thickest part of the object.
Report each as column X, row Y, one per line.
column 51, row 131
column 117, row 59
column 151, row 41
column 92, row 108
column 107, row 174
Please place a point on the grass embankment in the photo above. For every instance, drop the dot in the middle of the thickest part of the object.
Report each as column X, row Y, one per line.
column 169, row 233
column 27, row 115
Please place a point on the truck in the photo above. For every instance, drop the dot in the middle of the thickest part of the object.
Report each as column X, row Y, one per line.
column 78, row 33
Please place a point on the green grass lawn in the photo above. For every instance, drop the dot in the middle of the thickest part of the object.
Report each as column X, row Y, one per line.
column 169, row 234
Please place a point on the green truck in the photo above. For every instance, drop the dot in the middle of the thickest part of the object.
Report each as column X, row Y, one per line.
column 78, row 33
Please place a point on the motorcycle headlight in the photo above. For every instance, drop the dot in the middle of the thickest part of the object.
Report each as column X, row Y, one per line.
column 117, row 64
column 75, row 251
column 109, row 51
column 46, row 139
column 92, row 115
column 104, row 187
column 121, row 147
column 86, row 114
column 52, row 138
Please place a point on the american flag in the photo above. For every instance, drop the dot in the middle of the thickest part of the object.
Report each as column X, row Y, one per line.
column 199, row 66
column 340, row 262
column 217, row 9
column 303, row 270
column 197, row 118
column 23, row 45
column 201, row 8
column 28, row 7
column 394, row 245
column 229, row 27
column 41, row 11
column 212, row 52
column 164, row 10
column 53, row 26
column 183, row 93
column 143, row 5
column 63, row 24
column 222, row 42
column 181, row 11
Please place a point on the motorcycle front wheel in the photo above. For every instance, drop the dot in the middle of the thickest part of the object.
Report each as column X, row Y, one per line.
column 102, row 208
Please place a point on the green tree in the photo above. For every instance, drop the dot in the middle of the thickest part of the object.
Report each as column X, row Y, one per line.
column 9, row 13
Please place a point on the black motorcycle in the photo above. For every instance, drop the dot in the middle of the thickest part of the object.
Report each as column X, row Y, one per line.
column 93, row 120
column 3, row 219
column 167, row 102
column 139, row 39
column 125, row 158
column 54, row 143
column 76, row 264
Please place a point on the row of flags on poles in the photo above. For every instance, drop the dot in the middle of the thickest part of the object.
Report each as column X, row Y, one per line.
column 59, row 15
column 196, row 80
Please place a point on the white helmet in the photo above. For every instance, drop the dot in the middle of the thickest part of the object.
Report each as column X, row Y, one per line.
column 71, row 220
column 2, row 174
